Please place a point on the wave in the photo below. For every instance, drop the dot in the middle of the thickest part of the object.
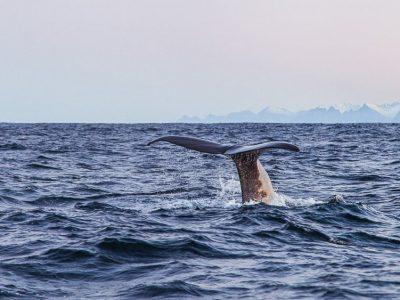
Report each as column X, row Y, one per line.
column 44, row 157
column 8, row 200
column 59, row 200
column 67, row 254
column 60, row 150
column 12, row 146
column 98, row 206
column 310, row 233
column 132, row 249
column 370, row 238
column 42, row 166
column 174, row 288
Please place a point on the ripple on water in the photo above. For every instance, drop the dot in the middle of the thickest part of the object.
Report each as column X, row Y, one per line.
column 12, row 147
column 175, row 288
column 89, row 211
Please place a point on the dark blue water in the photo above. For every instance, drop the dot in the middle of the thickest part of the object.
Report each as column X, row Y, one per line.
column 90, row 211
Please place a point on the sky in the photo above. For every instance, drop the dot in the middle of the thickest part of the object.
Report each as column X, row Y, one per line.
column 154, row 61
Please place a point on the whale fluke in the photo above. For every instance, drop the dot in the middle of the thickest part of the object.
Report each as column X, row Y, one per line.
column 254, row 180
column 215, row 148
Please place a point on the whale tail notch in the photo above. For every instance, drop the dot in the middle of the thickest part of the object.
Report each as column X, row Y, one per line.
column 254, row 180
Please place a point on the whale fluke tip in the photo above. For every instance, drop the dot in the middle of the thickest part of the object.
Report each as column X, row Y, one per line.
column 164, row 138
column 193, row 143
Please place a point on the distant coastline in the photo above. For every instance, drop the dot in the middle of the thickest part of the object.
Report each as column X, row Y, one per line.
column 365, row 113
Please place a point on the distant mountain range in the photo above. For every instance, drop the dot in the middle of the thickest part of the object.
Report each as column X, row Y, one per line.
column 343, row 113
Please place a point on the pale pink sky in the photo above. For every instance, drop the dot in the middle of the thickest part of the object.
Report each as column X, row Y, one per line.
column 137, row 61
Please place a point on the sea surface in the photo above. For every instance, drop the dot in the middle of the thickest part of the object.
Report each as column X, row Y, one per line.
column 90, row 211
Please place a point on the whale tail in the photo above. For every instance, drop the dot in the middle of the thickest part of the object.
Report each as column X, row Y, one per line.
column 254, row 180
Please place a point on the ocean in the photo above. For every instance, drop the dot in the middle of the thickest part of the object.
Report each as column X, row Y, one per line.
column 90, row 211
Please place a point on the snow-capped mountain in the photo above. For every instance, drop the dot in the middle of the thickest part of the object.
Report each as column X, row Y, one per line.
column 389, row 110
column 341, row 113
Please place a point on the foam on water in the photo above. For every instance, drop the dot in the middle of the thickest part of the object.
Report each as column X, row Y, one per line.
column 229, row 196
column 278, row 199
column 230, row 193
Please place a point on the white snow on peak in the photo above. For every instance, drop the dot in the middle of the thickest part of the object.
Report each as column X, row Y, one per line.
column 344, row 107
column 388, row 109
column 276, row 110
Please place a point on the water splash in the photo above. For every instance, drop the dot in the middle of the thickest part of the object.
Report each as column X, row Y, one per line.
column 230, row 192
column 278, row 199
